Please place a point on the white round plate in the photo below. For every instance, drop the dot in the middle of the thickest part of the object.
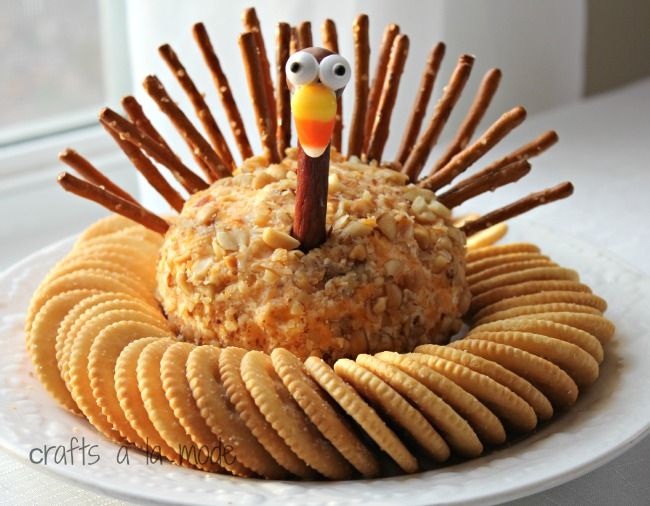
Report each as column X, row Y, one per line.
column 608, row 418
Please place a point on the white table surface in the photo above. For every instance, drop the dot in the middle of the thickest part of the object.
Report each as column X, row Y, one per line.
column 604, row 150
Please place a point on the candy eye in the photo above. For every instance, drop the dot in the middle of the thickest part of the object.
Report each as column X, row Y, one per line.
column 335, row 71
column 301, row 68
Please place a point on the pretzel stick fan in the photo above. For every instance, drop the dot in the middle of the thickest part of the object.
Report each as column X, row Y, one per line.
column 316, row 77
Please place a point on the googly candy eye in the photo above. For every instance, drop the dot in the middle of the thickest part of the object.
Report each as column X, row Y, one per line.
column 301, row 68
column 335, row 71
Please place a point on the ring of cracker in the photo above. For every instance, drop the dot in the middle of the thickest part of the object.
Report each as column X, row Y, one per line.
column 596, row 325
column 105, row 226
column 487, row 237
column 364, row 415
column 316, row 406
column 556, row 384
column 455, row 430
column 380, row 394
column 533, row 274
column 486, row 425
column 551, row 307
column 537, row 400
column 238, row 395
column 202, row 369
column 494, row 261
column 501, row 249
column 508, row 267
column 279, row 408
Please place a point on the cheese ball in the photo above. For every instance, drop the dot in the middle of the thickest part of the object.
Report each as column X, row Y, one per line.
column 390, row 275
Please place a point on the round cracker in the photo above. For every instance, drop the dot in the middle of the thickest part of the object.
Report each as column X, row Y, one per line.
column 533, row 274
column 202, row 369
column 596, row 325
column 455, row 430
column 574, row 360
column 143, row 263
column 583, row 299
column 278, row 407
column 525, row 288
column 536, row 399
column 104, row 352
column 160, row 412
column 128, row 393
column 557, row 385
column 107, row 225
column 551, row 307
column 551, row 329
column 489, row 262
column 486, row 425
column 42, row 344
column 145, row 242
column 380, row 394
column 229, row 369
column 330, row 424
column 487, row 237
column 501, row 249
column 94, row 306
column 79, row 280
column 119, row 265
column 80, row 387
column 507, row 267
column 501, row 400
column 181, row 401
column 365, row 416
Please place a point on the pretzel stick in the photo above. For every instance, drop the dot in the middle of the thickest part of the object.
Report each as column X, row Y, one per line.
column 212, row 165
column 377, row 85
column 481, row 102
column 418, row 156
column 361, row 61
column 136, row 114
column 305, row 38
column 148, row 170
column 422, row 98
column 293, row 41
column 533, row 148
column 472, row 187
column 331, row 42
column 200, row 105
column 283, row 95
column 112, row 202
column 459, row 163
column 521, row 206
column 223, row 88
column 252, row 24
column 253, row 66
column 129, row 132
column 381, row 124
column 92, row 174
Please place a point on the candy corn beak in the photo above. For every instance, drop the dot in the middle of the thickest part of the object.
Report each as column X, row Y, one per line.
column 314, row 112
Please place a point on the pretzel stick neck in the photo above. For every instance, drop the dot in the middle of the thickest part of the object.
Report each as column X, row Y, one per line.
column 331, row 41
column 252, row 24
column 521, row 206
column 253, row 67
column 137, row 116
column 459, row 163
column 378, row 84
column 112, row 202
column 418, row 156
column 305, row 37
column 310, row 209
column 213, row 167
column 477, row 110
column 534, row 148
column 92, row 174
column 200, row 105
column 361, row 63
column 293, row 41
column 474, row 186
column 130, row 133
column 148, row 171
column 422, row 98
column 283, row 95
column 381, row 124
column 223, row 88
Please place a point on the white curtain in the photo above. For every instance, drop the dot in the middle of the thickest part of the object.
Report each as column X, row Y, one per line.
column 539, row 46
